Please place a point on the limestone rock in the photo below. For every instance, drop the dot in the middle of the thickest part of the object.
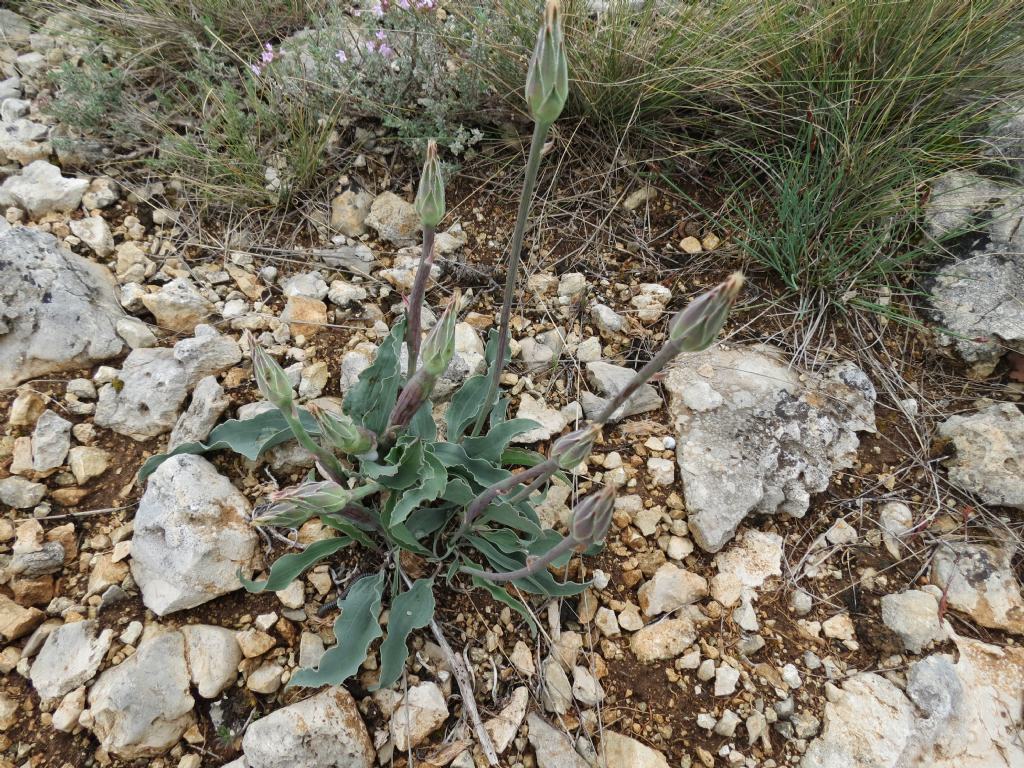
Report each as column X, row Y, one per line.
column 617, row 749
column 178, row 306
column 394, row 219
column 16, row 621
column 207, row 353
column 58, row 311
column 208, row 404
column 325, row 731
column 146, row 396
column 70, row 657
column 504, row 726
column 87, row 462
column 552, row 747
column 989, row 457
column 665, row 639
column 191, row 536
column 51, row 441
column 979, row 580
column 40, row 189
column 914, row 616
column 671, row 588
column 754, row 436
column 608, row 380
column 19, row 493
column 95, row 233
column 551, row 421
column 421, row 713
column 141, row 707
column 213, row 657
column 349, row 211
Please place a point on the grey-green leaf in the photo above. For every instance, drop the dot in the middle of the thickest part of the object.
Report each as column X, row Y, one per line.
column 410, row 610
column 356, row 628
column 370, row 401
column 285, row 569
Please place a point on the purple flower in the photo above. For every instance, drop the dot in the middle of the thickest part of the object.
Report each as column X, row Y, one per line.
column 385, row 50
column 382, row 35
column 370, row 46
column 377, row 9
column 404, row 5
column 255, row 68
column 341, row 56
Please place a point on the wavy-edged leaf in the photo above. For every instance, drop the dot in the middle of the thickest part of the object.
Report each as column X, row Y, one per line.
column 401, row 467
column 248, row 437
column 433, row 479
column 410, row 610
column 540, row 583
column 465, row 406
column 490, row 446
column 370, row 401
column 482, row 473
column 356, row 627
column 349, row 529
column 285, row 569
column 500, row 594
column 511, row 517
column 422, row 424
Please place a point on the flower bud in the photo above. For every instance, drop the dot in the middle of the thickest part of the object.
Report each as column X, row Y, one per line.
column 699, row 323
column 547, row 80
column 430, row 194
column 439, row 346
column 575, row 447
column 292, row 507
column 592, row 517
column 270, row 377
column 342, row 432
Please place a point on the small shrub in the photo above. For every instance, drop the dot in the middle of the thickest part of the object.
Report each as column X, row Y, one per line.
column 88, row 95
column 462, row 505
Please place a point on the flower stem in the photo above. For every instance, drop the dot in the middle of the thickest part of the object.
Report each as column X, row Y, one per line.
column 656, row 363
column 419, row 288
column 540, row 132
column 479, row 504
column 532, row 566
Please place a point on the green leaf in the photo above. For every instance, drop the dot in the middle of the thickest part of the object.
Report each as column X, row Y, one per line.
column 465, row 406
column 509, row 516
column 490, row 446
column 500, row 594
column 410, row 610
column 249, row 437
column 285, row 569
column 356, row 628
column 370, row 401
column 540, row 583
column 422, row 424
column 458, row 492
column 401, row 467
column 433, row 479
column 350, row 530
column 481, row 472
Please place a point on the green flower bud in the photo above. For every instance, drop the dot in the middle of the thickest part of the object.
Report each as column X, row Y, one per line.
column 292, row 507
column 343, row 433
column 698, row 324
column 547, row 80
column 430, row 194
column 592, row 517
column 270, row 377
column 439, row 346
column 575, row 447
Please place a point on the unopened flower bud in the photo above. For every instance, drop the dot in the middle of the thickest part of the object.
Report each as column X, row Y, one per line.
column 430, row 195
column 343, row 433
column 270, row 377
column 699, row 323
column 292, row 507
column 574, row 448
column 547, row 80
column 592, row 516
column 439, row 346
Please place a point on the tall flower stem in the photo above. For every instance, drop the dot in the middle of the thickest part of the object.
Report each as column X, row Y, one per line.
column 540, row 132
column 419, row 288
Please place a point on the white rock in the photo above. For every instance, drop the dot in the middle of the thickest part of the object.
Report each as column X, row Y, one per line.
column 324, row 731
column 979, row 580
column 607, row 320
column 608, row 380
column 266, row 678
column 572, row 284
column 895, row 519
column 135, row 333
column 178, row 306
column 556, row 690
column 191, row 536
column 60, row 311
column 914, row 616
column 619, row 750
column 309, row 284
column 585, row 687
column 69, row 658
column 343, row 293
column 40, row 189
column 504, row 726
column 650, row 302
column 94, row 232
column 421, row 713
column 394, row 219
column 145, row 399
column 141, row 707
column 206, row 354
column 87, row 462
column 589, row 350
column 213, row 657
column 208, row 404
column 553, row 747
column 661, row 471
column 51, row 441
column 551, row 422
column 754, row 435
column 671, row 588
column 989, row 459
column 664, row 639
column 839, row 627
column 65, row 717
column 349, row 211
column 726, row 678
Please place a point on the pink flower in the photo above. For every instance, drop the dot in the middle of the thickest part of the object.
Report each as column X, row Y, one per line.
column 341, row 56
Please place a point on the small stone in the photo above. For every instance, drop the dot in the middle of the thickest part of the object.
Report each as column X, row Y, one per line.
column 254, row 642
column 663, row 640
column 19, row 493
column 394, row 219
column 70, row 658
column 661, row 471
column 726, row 678
column 607, row 320
column 94, row 232
column 178, row 306
column 265, row 679
column 552, row 747
column 522, row 659
column 422, row 712
column 87, row 462
column 839, row 627
column 213, row 656
column 349, row 211
column 690, row 245
column 16, row 621
column 585, row 687
column 65, row 717
column 671, row 588
column 504, row 726
column 572, row 284
column 727, row 723
column 292, row 596
column 304, row 316
column 556, row 691
column 51, row 440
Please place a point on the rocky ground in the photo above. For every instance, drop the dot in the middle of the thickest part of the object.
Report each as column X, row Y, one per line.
column 790, row 580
